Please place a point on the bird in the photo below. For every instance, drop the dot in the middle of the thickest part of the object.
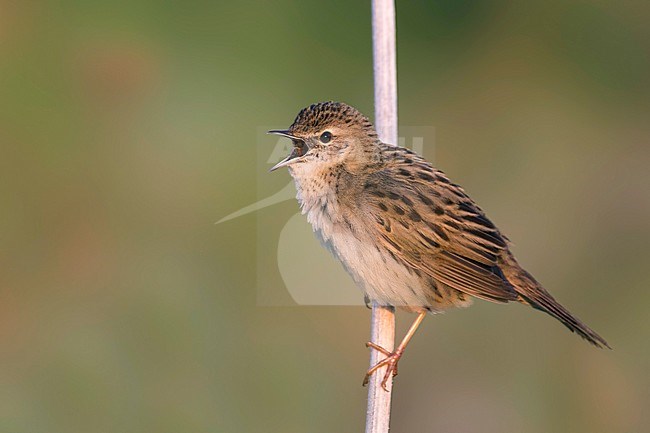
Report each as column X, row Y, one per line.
column 408, row 236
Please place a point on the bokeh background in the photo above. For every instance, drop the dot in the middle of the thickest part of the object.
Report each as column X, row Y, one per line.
column 127, row 128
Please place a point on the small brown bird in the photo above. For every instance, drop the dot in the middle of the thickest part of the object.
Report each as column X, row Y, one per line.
column 407, row 235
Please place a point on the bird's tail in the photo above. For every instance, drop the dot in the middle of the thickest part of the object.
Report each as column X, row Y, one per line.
column 533, row 294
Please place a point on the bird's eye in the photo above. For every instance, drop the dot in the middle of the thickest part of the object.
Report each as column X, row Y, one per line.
column 326, row 137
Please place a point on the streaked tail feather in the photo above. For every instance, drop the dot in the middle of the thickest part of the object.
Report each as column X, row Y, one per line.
column 532, row 293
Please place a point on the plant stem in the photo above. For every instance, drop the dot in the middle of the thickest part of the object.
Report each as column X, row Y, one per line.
column 382, row 327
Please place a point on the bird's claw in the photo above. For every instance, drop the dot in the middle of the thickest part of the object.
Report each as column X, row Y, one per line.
column 390, row 362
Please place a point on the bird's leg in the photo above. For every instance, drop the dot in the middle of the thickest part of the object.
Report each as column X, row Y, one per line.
column 392, row 358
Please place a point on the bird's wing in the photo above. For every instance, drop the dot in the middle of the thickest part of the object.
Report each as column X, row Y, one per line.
column 431, row 225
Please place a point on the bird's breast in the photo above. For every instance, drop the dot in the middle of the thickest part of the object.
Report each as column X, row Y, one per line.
column 374, row 269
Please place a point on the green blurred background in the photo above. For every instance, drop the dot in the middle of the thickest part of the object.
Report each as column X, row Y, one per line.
column 127, row 128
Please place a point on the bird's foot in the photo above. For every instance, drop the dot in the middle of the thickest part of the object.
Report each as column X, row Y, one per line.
column 391, row 360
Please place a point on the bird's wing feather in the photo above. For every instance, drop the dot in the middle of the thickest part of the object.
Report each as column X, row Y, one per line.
column 431, row 225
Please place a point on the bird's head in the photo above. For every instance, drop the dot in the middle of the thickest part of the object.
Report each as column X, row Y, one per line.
column 328, row 134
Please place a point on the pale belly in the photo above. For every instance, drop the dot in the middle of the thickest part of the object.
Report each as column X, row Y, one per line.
column 375, row 271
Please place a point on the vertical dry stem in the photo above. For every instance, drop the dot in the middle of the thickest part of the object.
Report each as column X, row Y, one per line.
column 382, row 331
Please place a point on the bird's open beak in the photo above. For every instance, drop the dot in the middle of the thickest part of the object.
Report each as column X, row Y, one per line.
column 299, row 148
column 282, row 133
